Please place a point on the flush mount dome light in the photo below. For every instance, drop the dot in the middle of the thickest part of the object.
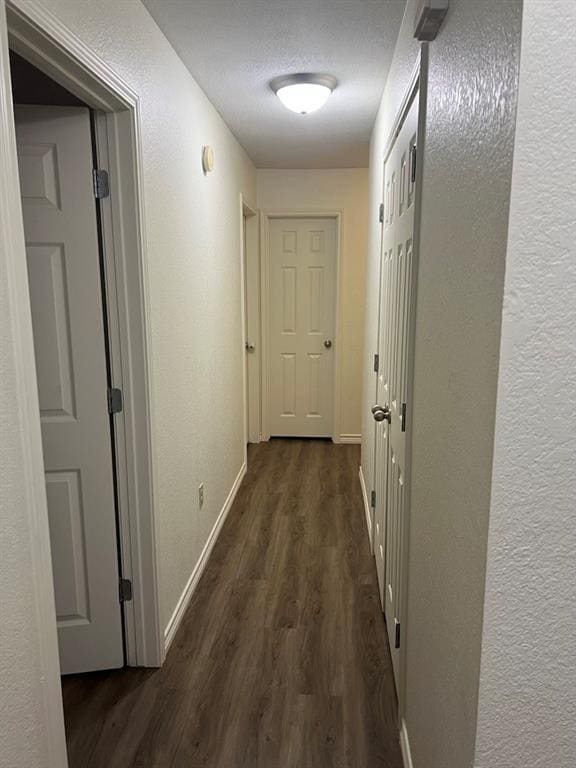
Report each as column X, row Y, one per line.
column 303, row 93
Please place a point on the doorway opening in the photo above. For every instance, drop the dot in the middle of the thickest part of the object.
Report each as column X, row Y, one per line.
column 75, row 84
column 56, row 149
column 392, row 410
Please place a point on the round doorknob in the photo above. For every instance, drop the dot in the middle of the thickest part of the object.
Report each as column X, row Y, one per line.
column 380, row 413
column 327, row 343
column 250, row 346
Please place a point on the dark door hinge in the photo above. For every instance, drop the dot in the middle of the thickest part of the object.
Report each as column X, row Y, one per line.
column 397, row 637
column 125, row 590
column 413, row 157
column 115, row 403
column 381, row 213
column 101, row 184
column 403, row 417
column 373, row 499
column 376, row 363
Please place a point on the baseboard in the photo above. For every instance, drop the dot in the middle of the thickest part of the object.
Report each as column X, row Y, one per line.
column 405, row 746
column 355, row 439
column 177, row 616
column 366, row 504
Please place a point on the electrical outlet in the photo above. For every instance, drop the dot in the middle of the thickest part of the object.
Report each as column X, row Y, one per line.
column 201, row 495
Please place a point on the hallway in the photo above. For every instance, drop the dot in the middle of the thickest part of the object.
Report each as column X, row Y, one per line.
column 281, row 659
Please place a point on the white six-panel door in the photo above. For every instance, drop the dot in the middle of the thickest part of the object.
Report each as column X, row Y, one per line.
column 396, row 296
column 55, row 163
column 302, row 322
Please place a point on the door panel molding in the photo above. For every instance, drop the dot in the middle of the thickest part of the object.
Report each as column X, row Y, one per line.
column 40, row 37
column 266, row 217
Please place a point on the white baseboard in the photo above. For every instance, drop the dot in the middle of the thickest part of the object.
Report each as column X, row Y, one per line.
column 405, row 746
column 179, row 611
column 355, row 439
column 366, row 504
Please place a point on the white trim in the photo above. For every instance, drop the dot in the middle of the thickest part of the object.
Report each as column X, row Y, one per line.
column 351, row 439
column 418, row 88
column 250, row 265
column 405, row 746
column 243, row 324
column 42, row 38
column 367, row 507
column 186, row 596
column 47, row 667
column 411, row 89
column 265, row 217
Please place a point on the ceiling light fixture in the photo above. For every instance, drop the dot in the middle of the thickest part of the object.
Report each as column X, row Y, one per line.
column 303, row 93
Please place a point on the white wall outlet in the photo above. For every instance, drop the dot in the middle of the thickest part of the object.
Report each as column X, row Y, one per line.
column 201, row 495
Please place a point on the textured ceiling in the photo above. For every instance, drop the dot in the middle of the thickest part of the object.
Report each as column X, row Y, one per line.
column 235, row 47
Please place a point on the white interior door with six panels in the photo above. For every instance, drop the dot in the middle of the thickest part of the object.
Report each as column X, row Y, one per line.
column 397, row 277
column 302, row 320
column 55, row 163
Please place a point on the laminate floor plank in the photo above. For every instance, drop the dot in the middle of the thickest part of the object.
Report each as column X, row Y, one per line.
column 281, row 660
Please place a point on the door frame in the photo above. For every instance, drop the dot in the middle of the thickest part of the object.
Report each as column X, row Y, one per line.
column 416, row 88
column 266, row 216
column 41, row 38
column 250, row 270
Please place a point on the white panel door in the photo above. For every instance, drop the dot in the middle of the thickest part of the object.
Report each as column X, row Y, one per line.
column 55, row 163
column 392, row 407
column 302, row 320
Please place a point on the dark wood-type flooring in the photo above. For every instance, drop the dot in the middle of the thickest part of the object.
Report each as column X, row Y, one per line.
column 281, row 660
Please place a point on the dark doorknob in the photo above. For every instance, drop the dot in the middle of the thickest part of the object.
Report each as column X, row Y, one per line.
column 381, row 412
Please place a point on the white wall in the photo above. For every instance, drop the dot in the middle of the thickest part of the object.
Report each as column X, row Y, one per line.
column 467, row 166
column 344, row 190
column 193, row 232
column 527, row 706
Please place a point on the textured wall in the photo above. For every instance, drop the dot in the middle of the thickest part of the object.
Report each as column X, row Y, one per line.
column 527, row 706
column 31, row 723
column 472, row 93
column 473, row 66
column 345, row 190
column 22, row 732
column 193, row 230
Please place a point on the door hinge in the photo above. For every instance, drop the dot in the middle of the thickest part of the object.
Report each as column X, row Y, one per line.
column 115, row 403
column 381, row 213
column 403, row 417
column 373, row 499
column 397, row 637
column 376, row 363
column 413, row 157
column 125, row 587
column 101, row 184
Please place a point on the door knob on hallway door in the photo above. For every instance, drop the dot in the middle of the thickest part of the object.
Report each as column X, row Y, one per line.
column 250, row 346
column 380, row 413
column 327, row 343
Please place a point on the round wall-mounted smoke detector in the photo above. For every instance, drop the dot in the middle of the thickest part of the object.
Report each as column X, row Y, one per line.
column 207, row 159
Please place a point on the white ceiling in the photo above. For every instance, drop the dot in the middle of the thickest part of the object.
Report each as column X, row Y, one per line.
column 235, row 47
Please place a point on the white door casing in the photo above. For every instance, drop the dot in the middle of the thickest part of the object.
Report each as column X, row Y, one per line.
column 55, row 165
column 397, row 279
column 303, row 267
column 382, row 428
column 246, row 371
